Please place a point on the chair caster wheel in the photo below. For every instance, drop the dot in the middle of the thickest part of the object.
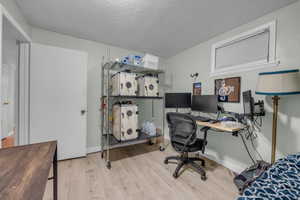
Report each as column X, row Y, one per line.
column 162, row 148
column 203, row 178
column 166, row 161
column 108, row 165
column 175, row 175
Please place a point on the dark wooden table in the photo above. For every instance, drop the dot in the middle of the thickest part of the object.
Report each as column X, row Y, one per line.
column 24, row 171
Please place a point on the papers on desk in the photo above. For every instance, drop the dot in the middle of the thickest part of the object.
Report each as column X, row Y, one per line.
column 232, row 125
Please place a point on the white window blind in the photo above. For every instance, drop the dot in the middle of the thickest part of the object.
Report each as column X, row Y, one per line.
column 252, row 49
column 247, row 51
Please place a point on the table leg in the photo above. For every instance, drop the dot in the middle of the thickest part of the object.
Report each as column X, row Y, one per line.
column 55, row 196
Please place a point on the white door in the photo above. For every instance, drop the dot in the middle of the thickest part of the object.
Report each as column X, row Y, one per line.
column 58, row 99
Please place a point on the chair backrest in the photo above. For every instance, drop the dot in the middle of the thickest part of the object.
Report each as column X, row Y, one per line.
column 182, row 130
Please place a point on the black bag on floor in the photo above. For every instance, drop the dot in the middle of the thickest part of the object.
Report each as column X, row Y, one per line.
column 243, row 180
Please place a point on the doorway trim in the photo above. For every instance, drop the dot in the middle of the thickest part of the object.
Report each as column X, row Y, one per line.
column 24, row 91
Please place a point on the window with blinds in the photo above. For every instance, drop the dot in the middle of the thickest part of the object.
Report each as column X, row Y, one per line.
column 247, row 51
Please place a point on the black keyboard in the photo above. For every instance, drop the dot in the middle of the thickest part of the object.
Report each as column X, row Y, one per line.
column 213, row 121
column 200, row 118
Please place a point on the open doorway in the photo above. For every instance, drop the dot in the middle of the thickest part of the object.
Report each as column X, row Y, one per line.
column 10, row 83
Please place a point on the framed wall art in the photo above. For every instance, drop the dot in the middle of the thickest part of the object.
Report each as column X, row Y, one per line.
column 197, row 88
column 228, row 89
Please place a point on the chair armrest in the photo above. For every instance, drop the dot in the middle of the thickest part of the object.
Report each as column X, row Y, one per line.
column 205, row 130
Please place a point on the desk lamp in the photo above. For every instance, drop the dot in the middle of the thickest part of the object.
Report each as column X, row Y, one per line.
column 275, row 84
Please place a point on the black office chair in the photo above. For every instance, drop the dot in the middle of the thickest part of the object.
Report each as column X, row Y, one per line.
column 183, row 136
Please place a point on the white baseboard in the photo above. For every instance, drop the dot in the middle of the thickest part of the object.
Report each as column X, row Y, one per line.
column 227, row 162
column 93, row 149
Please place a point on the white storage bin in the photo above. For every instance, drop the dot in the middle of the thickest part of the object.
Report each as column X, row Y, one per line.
column 148, row 86
column 124, row 84
column 125, row 122
column 150, row 61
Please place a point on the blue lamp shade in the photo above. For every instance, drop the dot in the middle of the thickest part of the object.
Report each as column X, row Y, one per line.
column 278, row 83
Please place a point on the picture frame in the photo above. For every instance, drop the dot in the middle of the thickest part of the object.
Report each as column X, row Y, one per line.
column 228, row 89
column 197, row 88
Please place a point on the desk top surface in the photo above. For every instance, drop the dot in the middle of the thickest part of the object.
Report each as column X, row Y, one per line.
column 24, row 170
column 218, row 126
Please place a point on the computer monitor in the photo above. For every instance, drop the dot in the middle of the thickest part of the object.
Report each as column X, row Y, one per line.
column 248, row 103
column 178, row 100
column 205, row 103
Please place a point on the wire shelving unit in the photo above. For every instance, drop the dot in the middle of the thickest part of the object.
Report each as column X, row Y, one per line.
column 108, row 141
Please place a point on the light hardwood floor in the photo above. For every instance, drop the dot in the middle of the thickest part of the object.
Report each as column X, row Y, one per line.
column 138, row 173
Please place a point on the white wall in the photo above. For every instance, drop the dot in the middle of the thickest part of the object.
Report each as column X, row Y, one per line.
column 9, row 79
column 222, row 147
column 95, row 53
column 15, row 12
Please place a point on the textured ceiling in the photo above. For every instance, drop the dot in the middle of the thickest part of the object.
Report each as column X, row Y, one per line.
column 161, row 27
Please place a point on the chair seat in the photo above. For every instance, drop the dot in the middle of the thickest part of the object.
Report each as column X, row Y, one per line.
column 197, row 146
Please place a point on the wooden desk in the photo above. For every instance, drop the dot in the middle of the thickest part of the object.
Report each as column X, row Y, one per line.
column 218, row 126
column 24, row 171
